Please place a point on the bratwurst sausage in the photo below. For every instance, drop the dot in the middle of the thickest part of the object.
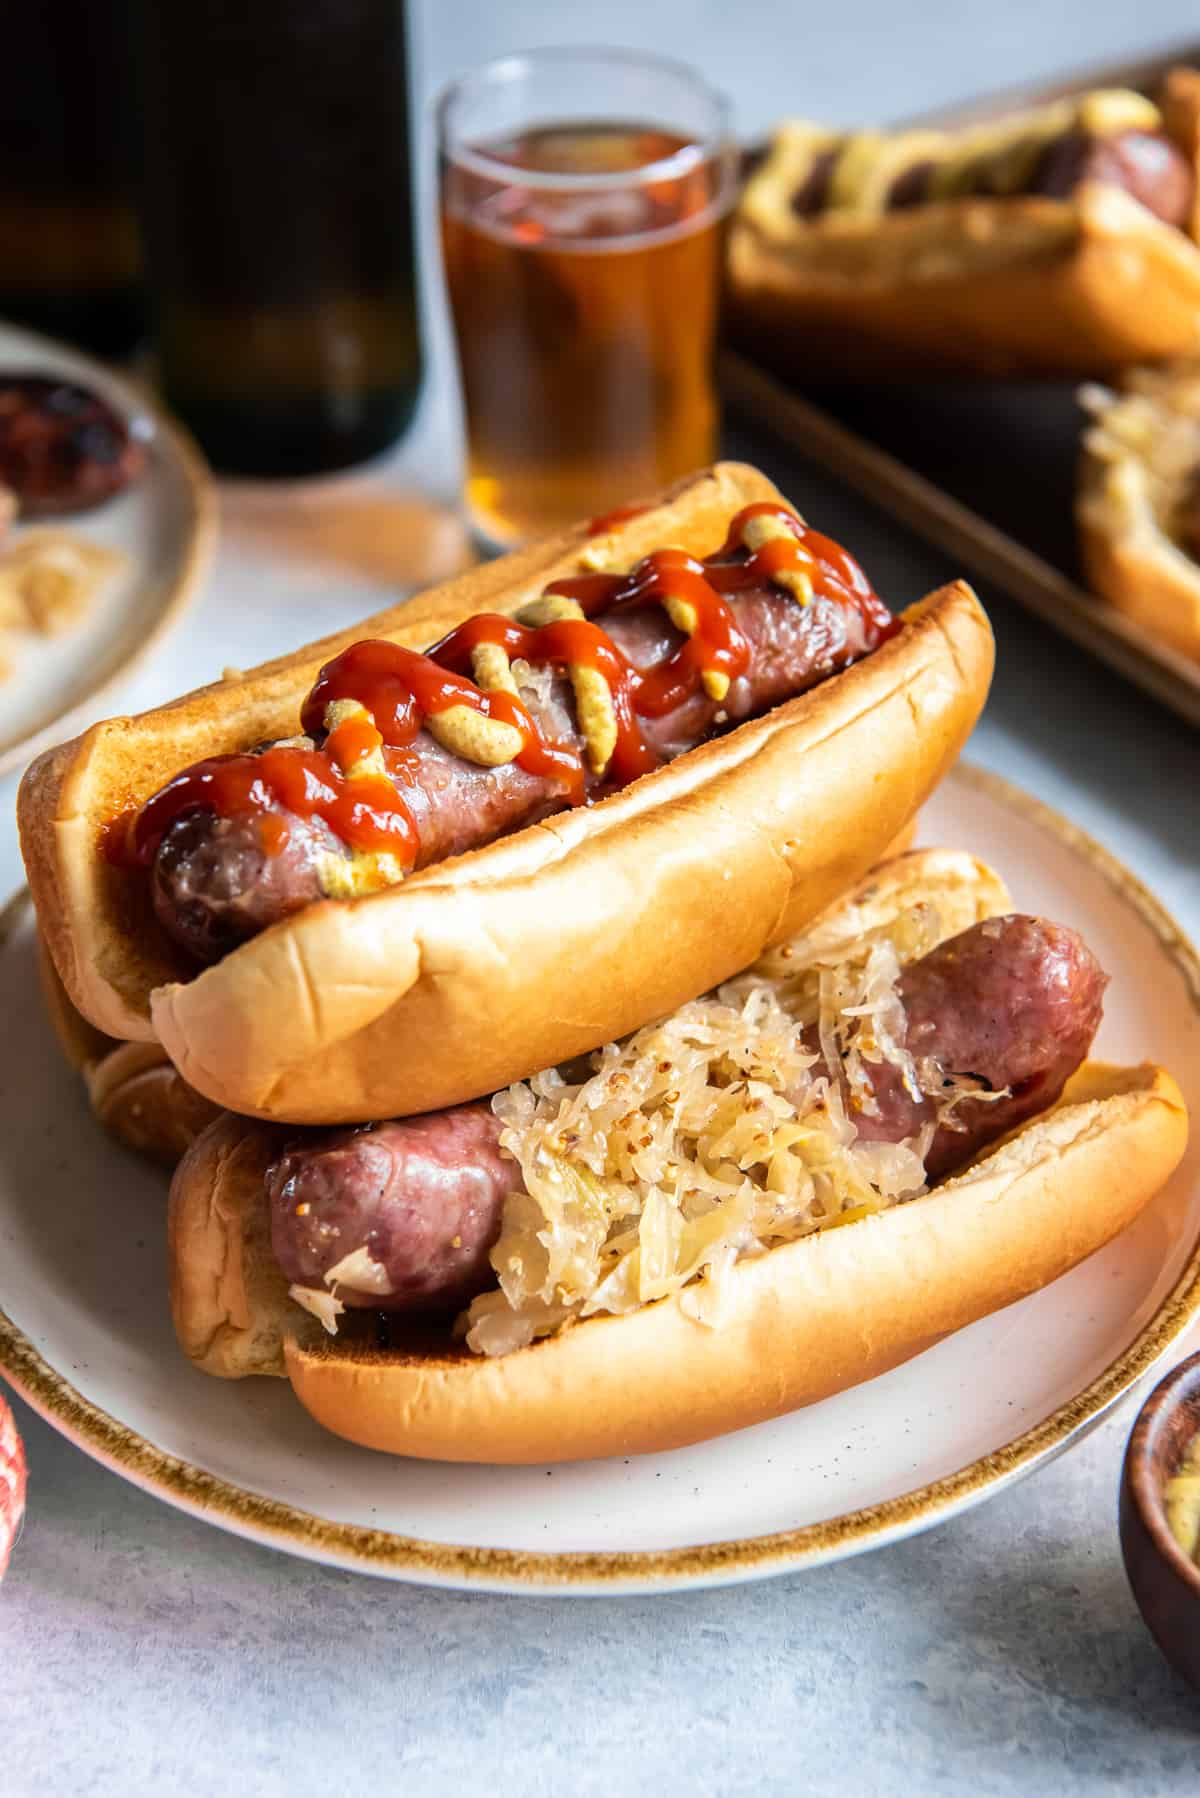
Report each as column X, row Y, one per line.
column 217, row 881
column 1013, row 1002
column 1146, row 164
column 423, row 1196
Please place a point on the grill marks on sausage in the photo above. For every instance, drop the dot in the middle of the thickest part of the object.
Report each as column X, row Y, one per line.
column 1014, row 1002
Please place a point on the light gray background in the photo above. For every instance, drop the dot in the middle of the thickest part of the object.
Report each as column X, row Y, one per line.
column 140, row 1650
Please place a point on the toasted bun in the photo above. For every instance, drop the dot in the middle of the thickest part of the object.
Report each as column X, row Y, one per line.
column 1133, row 473
column 81, row 1043
column 229, row 1299
column 1179, row 102
column 144, row 1101
column 800, row 1323
column 479, row 970
column 135, row 1092
column 1019, row 286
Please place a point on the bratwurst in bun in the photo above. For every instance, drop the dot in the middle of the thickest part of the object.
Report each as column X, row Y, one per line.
column 506, row 822
column 881, row 1131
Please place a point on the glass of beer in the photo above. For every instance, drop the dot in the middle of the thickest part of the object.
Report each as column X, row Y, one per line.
column 583, row 197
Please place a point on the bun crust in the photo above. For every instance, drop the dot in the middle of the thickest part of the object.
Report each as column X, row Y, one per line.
column 801, row 1322
column 143, row 1100
column 1125, row 496
column 135, row 1092
column 1019, row 286
column 229, row 1301
column 482, row 969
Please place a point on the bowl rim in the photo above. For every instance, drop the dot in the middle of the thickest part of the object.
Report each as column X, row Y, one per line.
column 1144, row 1488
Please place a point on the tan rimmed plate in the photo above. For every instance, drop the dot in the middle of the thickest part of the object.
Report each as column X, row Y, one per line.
column 85, row 1335
column 163, row 528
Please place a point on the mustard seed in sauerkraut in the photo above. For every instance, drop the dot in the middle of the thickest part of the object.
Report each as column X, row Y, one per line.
column 709, row 1137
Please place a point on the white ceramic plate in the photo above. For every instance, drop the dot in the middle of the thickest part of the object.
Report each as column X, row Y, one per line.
column 163, row 526
column 87, row 1339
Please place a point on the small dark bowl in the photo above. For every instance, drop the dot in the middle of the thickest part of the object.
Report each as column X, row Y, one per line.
column 1166, row 1583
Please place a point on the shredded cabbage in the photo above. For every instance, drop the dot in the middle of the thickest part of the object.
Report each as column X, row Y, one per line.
column 1155, row 418
column 359, row 1272
column 321, row 1305
column 709, row 1137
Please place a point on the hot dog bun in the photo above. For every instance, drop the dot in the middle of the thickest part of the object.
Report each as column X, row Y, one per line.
column 482, row 969
column 228, row 1298
column 801, row 1322
column 138, row 1096
column 1025, row 285
column 1140, row 457
column 142, row 1099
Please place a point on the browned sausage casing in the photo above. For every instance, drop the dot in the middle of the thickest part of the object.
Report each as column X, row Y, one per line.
column 214, row 883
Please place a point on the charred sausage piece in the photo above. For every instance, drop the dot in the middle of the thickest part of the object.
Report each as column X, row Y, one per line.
column 215, row 883
column 423, row 1196
column 62, row 449
column 1145, row 163
column 1014, row 1002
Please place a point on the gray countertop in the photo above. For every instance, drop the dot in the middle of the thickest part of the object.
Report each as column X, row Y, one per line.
column 1002, row 1653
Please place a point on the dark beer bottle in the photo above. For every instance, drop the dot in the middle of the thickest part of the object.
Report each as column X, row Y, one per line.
column 277, row 217
column 69, row 257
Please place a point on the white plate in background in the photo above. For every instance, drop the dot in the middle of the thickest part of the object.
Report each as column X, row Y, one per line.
column 163, row 526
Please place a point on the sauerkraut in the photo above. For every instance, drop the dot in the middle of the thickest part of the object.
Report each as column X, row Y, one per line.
column 1155, row 418
column 717, row 1134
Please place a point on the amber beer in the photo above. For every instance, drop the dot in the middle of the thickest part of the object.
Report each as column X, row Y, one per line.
column 583, row 264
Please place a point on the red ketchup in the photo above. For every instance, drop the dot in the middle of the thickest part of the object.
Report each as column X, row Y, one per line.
column 399, row 689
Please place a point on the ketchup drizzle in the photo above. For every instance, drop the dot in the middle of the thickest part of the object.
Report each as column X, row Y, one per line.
column 399, row 689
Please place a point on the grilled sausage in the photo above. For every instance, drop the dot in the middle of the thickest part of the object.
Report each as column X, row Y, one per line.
column 1014, row 1002
column 215, row 882
column 423, row 1196
column 1145, row 164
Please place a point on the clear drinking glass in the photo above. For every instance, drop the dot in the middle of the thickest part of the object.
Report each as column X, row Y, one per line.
column 583, row 200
